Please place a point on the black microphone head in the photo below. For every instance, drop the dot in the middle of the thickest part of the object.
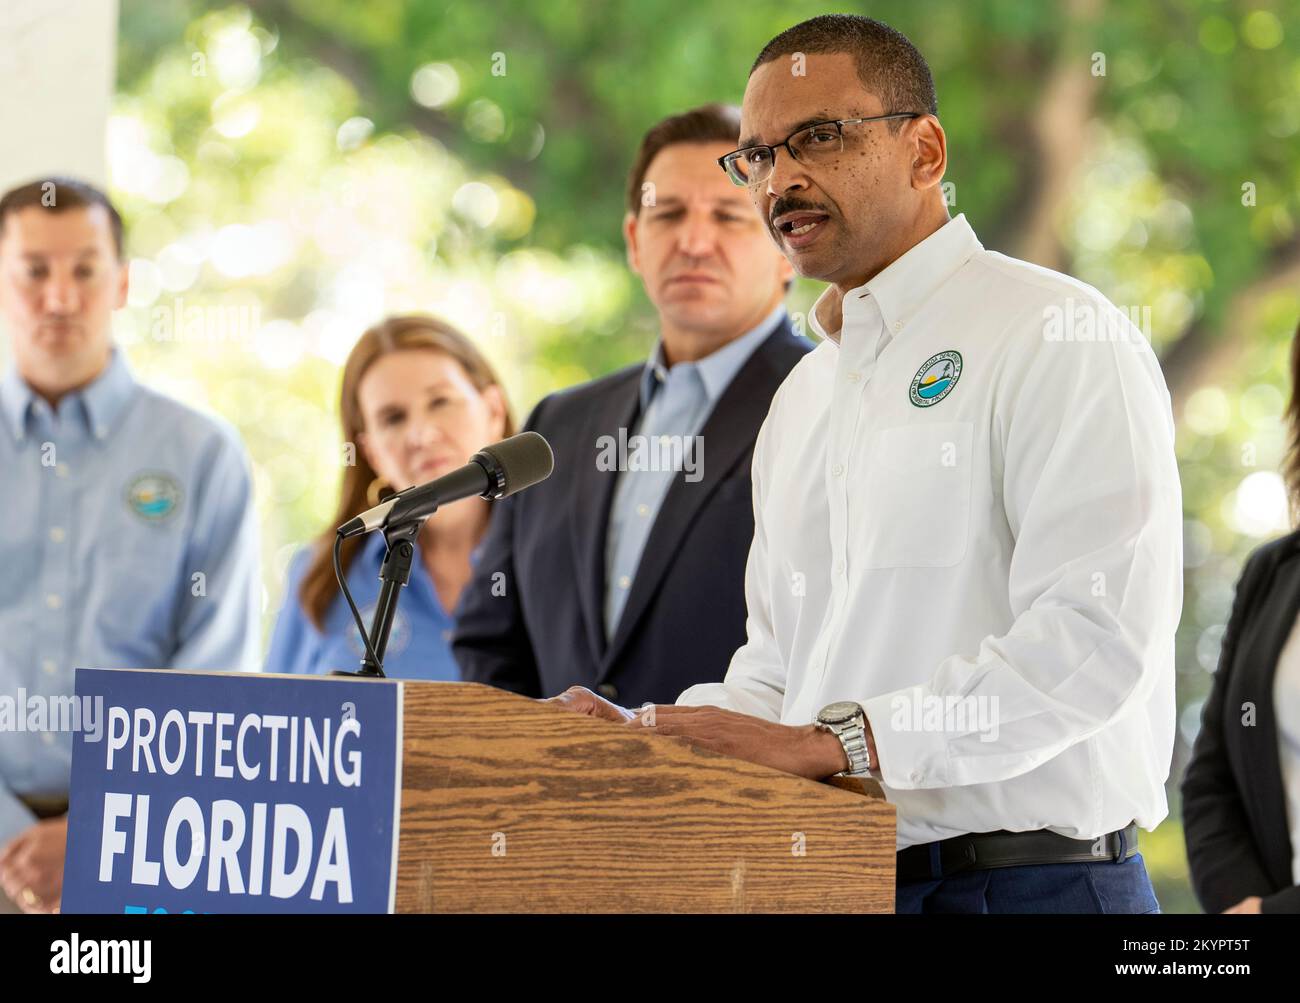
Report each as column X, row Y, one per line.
column 520, row 461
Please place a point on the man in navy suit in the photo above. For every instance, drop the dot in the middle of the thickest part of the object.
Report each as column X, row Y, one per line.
column 624, row 572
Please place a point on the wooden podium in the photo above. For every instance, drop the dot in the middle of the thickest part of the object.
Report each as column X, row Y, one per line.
column 510, row 805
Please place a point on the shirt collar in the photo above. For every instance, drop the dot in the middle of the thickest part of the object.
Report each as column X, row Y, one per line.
column 903, row 286
column 108, row 394
column 99, row 402
column 15, row 395
column 716, row 369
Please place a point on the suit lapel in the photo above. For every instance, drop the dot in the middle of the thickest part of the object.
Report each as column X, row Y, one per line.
column 728, row 434
column 590, row 501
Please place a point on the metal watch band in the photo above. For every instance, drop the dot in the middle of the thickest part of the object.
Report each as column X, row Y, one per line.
column 853, row 737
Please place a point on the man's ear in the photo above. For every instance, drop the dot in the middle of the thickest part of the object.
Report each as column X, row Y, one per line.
column 929, row 153
column 629, row 238
column 785, row 271
column 123, row 285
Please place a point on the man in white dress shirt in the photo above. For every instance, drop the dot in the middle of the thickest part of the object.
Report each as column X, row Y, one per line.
column 966, row 571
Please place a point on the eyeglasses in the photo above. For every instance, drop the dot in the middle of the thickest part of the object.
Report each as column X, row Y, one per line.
column 818, row 142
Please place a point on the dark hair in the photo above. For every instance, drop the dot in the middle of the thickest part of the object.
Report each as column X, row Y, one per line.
column 59, row 194
column 393, row 334
column 710, row 123
column 889, row 66
column 1291, row 463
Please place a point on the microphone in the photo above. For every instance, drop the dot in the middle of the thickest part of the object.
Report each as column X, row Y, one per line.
column 495, row 471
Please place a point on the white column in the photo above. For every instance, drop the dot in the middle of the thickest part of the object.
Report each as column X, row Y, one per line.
column 57, row 65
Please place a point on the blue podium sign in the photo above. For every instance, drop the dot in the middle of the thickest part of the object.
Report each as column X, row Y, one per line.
column 231, row 792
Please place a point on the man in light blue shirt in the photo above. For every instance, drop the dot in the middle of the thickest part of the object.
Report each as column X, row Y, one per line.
column 127, row 533
column 675, row 401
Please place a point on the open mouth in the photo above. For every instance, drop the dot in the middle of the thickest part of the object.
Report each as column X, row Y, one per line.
column 800, row 226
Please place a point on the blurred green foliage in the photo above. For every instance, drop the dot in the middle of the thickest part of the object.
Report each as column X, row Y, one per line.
column 293, row 169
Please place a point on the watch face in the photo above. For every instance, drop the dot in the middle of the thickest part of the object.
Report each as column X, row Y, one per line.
column 842, row 710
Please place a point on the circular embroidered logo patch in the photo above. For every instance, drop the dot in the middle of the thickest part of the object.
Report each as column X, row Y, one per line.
column 153, row 495
column 935, row 379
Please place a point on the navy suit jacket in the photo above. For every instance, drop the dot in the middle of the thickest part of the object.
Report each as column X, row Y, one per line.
column 532, row 618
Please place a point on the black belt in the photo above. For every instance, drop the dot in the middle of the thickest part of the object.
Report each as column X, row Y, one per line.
column 981, row 850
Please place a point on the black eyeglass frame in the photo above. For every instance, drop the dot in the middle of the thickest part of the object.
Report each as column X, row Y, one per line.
column 839, row 124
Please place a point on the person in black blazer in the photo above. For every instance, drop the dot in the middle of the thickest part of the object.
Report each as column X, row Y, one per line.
column 533, row 619
column 1235, row 799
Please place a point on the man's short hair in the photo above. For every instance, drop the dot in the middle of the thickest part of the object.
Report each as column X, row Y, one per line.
column 60, row 194
column 889, row 66
column 710, row 123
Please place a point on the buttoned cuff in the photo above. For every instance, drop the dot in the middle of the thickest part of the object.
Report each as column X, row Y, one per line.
column 910, row 757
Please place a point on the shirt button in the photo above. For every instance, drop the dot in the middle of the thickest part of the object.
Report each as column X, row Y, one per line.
column 57, row 534
column 643, row 510
column 914, row 776
column 898, row 325
column 608, row 690
column 61, row 469
column 837, row 469
column 53, row 601
column 624, row 582
column 48, row 666
column 854, row 377
column 839, row 567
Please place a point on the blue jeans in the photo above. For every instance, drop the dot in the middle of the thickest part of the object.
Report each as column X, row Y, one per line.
column 1096, row 887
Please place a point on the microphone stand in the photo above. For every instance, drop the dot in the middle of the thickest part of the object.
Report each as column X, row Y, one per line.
column 394, row 575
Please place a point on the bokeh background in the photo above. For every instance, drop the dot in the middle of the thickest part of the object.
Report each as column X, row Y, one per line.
column 291, row 170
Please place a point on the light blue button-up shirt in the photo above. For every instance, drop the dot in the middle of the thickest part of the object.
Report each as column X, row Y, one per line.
column 128, row 539
column 419, row 645
column 675, row 402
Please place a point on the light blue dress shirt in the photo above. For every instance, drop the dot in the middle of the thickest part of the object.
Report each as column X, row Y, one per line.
column 676, row 402
column 128, row 539
column 419, row 645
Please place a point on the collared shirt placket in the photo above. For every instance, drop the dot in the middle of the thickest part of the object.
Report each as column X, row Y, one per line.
column 859, row 346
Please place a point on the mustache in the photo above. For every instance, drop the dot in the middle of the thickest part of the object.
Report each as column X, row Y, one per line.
column 788, row 203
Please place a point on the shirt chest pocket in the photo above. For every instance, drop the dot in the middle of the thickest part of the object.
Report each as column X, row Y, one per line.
column 916, row 513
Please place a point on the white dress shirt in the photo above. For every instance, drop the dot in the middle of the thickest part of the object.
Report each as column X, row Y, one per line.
column 969, row 521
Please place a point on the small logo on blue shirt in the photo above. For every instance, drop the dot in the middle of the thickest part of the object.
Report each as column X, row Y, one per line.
column 935, row 379
column 399, row 637
column 153, row 496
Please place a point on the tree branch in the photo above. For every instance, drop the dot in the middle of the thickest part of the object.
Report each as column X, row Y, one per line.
column 1191, row 361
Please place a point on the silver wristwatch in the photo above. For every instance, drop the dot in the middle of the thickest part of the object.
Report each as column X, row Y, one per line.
column 847, row 722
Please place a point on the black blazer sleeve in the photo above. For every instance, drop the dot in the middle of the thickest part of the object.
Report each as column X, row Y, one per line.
column 1287, row 900
column 491, row 643
column 1226, row 865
